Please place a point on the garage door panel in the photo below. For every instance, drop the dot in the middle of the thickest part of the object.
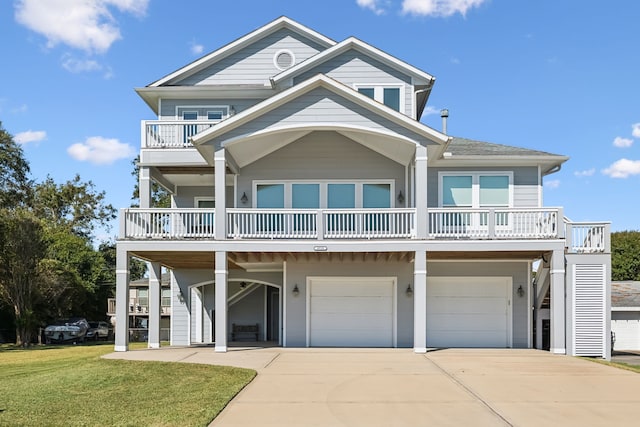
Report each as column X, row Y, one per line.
column 351, row 304
column 468, row 312
column 451, row 322
column 468, row 305
column 350, row 338
column 627, row 333
column 352, row 312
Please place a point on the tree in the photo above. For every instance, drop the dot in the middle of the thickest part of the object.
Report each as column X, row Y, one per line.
column 625, row 255
column 22, row 249
column 74, row 205
column 15, row 185
column 160, row 197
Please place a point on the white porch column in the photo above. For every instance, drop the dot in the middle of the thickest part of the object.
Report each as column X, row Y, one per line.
column 221, row 301
column 422, row 219
column 220, row 170
column 122, row 300
column 144, row 187
column 558, row 333
column 154, row 304
column 420, row 302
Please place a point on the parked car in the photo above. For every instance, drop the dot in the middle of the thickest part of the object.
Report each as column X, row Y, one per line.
column 67, row 330
column 98, row 330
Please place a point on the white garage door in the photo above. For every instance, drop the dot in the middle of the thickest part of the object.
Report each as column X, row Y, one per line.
column 626, row 326
column 351, row 312
column 468, row 312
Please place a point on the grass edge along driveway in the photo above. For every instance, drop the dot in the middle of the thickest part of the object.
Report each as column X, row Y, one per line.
column 73, row 386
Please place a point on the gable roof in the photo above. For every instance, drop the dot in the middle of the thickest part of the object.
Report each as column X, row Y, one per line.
column 390, row 143
column 625, row 294
column 270, row 28
column 472, row 151
column 353, row 43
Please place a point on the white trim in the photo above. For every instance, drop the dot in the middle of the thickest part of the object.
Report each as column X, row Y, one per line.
column 625, row 308
column 272, row 27
column 198, row 199
column 278, row 53
column 205, row 108
column 394, row 300
column 264, row 320
column 558, row 350
column 529, row 305
column 539, row 188
column 475, row 185
column 323, row 189
column 283, row 307
column 348, row 44
column 378, row 92
column 120, row 348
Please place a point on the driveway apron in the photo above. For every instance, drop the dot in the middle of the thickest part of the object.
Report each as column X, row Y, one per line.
column 396, row 387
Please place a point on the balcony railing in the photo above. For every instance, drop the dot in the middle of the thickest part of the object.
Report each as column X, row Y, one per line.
column 588, row 237
column 320, row 224
column 136, row 308
column 171, row 134
column 160, row 223
column 531, row 223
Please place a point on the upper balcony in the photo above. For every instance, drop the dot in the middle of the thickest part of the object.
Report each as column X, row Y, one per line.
column 370, row 224
column 171, row 133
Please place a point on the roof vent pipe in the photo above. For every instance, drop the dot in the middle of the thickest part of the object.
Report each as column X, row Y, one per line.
column 444, row 113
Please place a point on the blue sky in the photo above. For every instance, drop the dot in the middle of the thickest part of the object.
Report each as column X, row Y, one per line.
column 557, row 76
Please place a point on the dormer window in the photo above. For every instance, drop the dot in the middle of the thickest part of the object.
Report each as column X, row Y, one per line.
column 389, row 95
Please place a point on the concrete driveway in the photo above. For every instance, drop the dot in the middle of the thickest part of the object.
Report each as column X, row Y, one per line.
column 396, row 387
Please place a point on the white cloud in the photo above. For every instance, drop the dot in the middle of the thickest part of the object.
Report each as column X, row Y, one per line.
column 373, row 5
column 439, row 7
column 429, row 111
column 621, row 142
column 587, row 172
column 75, row 65
column 551, row 184
column 82, row 24
column 623, row 168
column 100, row 151
column 196, row 48
column 635, row 130
column 30, row 136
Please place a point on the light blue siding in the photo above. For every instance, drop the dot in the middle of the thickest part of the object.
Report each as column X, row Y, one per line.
column 254, row 64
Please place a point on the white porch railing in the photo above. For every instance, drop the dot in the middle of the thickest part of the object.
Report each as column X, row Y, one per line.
column 160, row 223
column 171, row 134
column 320, row 224
column 588, row 237
column 499, row 223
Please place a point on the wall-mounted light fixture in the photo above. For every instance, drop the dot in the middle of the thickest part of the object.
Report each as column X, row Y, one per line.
column 244, row 199
column 409, row 291
column 400, row 197
column 243, row 285
column 232, row 111
column 520, row 291
column 180, row 296
column 295, row 291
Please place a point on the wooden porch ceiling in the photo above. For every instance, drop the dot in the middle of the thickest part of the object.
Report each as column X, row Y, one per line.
column 205, row 260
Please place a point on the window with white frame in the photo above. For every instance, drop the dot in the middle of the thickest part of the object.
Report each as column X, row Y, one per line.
column 389, row 95
column 476, row 189
column 323, row 195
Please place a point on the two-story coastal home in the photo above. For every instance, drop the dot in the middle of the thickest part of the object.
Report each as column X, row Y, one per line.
column 311, row 207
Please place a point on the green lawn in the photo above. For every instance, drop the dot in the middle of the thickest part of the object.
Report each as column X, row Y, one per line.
column 72, row 386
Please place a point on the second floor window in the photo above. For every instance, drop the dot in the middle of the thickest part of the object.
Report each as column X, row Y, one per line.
column 389, row 96
column 476, row 189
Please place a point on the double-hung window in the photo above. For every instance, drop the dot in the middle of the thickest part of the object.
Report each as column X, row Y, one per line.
column 390, row 95
column 206, row 113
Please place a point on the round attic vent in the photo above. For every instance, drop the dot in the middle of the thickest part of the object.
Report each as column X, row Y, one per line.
column 284, row 59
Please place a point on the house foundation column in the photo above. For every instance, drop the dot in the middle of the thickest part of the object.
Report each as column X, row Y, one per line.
column 220, row 191
column 122, row 300
column 558, row 321
column 221, row 274
column 420, row 302
column 154, row 304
